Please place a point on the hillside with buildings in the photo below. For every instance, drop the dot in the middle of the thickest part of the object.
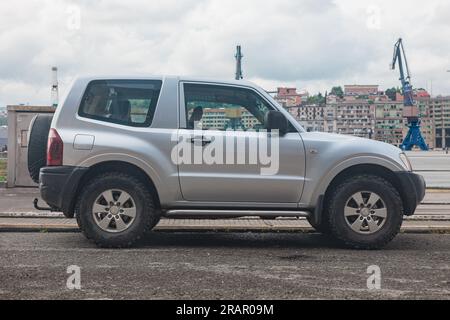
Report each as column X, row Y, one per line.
column 367, row 111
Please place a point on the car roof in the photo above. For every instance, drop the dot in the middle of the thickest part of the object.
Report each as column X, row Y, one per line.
column 88, row 78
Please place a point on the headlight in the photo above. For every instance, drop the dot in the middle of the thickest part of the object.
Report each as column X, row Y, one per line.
column 406, row 161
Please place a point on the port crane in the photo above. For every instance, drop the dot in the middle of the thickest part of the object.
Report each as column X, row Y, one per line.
column 410, row 111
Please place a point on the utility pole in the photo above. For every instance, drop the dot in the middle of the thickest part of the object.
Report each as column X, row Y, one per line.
column 54, row 95
column 238, row 57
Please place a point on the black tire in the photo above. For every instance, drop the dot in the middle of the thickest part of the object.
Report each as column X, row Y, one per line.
column 342, row 231
column 37, row 144
column 323, row 227
column 147, row 216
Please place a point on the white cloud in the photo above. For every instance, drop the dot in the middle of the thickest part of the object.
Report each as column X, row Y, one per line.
column 311, row 44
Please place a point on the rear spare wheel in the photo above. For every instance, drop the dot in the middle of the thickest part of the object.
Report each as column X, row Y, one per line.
column 37, row 144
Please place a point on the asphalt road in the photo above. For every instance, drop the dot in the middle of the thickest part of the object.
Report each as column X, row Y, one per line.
column 222, row 266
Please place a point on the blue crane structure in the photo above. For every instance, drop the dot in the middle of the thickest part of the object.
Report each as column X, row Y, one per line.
column 410, row 111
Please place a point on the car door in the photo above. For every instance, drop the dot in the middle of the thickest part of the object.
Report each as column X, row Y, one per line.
column 232, row 157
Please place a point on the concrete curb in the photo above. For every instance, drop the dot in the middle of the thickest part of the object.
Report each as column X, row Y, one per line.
column 37, row 228
column 426, row 229
column 414, row 229
column 436, row 203
column 32, row 214
column 51, row 216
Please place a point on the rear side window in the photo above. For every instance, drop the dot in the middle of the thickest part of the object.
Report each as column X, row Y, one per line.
column 126, row 102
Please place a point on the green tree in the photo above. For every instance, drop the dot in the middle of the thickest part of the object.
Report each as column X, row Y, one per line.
column 337, row 91
column 316, row 99
column 392, row 93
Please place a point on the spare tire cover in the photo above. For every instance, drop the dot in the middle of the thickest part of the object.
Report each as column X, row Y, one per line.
column 37, row 144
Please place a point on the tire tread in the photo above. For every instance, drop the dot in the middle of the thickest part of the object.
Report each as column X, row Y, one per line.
column 336, row 231
column 150, row 218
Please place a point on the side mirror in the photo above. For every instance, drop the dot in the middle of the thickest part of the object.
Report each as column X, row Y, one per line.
column 276, row 120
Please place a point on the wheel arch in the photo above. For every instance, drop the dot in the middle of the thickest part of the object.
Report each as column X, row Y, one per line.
column 117, row 166
column 374, row 169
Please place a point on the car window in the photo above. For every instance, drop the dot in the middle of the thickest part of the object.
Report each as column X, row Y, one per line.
column 214, row 107
column 126, row 102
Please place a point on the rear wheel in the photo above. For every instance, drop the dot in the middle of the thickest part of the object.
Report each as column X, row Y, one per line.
column 365, row 212
column 115, row 210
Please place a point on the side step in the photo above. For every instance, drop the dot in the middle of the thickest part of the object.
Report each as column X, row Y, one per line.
column 214, row 213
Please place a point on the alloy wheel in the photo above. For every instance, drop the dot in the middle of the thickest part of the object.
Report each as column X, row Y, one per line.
column 365, row 212
column 114, row 210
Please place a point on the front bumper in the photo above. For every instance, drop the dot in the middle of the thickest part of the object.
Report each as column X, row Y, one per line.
column 58, row 187
column 412, row 189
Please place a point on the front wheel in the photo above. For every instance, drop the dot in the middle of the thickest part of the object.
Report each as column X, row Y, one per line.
column 115, row 210
column 366, row 212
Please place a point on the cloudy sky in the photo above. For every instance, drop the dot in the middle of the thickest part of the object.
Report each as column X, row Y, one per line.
column 310, row 44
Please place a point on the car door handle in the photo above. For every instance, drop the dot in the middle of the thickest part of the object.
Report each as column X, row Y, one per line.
column 204, row 141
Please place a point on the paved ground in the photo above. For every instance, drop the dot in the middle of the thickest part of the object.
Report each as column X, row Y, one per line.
column 227, row 265
column 434, row 166
column 439, row 224
column 222, row 266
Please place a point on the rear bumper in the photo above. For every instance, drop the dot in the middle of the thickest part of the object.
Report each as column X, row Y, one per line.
column 412, row 189
column 58, row 186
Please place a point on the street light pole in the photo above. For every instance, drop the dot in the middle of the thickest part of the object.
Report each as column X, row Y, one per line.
column 238, row 56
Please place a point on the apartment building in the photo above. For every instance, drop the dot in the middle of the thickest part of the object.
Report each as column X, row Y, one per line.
column 355, row 117
column 440, row 113
column 380, row 120
column 311, row 117
column 289, row 97
column 423, row 102
column 360, row 90
column 337, row 116
column 391, row 127
column 389, row 124
column 217, row 118
column 365, row 111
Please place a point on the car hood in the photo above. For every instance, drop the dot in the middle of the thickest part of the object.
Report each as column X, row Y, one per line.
column 338, row 147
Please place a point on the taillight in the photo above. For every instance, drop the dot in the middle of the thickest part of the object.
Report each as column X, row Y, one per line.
column 55, row 149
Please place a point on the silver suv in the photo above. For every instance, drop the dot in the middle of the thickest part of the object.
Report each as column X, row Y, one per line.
column 123, row 152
